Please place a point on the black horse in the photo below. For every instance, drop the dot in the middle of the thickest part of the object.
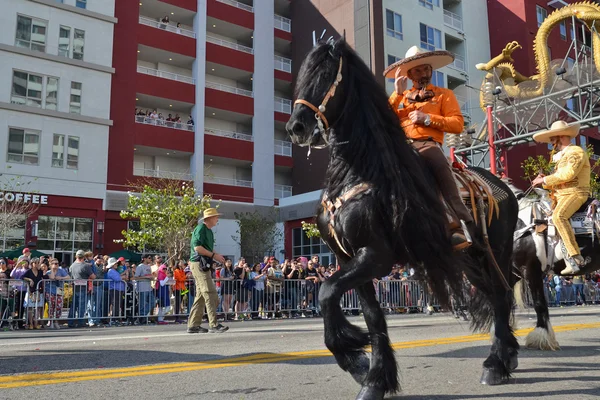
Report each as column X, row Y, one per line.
column 531, row 259
column 381, row 207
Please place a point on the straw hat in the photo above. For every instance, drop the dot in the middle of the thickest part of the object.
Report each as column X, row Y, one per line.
column 415, row 57
column 558, row 128
column 210, row 212
column 111, row 262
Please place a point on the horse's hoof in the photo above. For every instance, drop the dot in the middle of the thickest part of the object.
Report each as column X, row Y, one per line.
column 361, row 369
column 370, row 393
column 493, row 377
column 513, row 363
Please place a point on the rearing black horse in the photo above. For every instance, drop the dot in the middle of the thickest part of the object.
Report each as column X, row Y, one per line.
column 389, row 212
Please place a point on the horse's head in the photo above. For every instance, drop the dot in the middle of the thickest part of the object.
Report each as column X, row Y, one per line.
column 319, row 94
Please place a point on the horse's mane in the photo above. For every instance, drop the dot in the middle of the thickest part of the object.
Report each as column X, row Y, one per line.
column 378, row 153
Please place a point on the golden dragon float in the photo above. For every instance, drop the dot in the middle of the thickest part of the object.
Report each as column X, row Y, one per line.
column 517, row 86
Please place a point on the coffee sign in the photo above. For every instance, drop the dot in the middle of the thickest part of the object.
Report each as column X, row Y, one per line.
column 10, row 197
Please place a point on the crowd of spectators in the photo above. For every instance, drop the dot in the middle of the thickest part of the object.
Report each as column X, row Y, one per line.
column 578, row 290
column 158, row 118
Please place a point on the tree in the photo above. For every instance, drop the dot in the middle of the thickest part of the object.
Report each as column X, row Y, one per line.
column 311, row 229
column 533, row 166
column 257, row 234
column 14, row 214
column 167, row 211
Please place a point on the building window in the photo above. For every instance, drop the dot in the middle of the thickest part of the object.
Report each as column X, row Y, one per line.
column 431, row 38
column 34, row 90
column 31, row 33
column 390, row 60
column 394, row 24
column 64, row 235
column 437, row 79
column 572, row 26
column 64, row 41
column 563, row 30
column 303, row 246
column 15, row 236
column 23, row 146
column 75, row 101
column 429, row 3
column 78, row 41
column 541, row 14
column 58, row 151
column 73, row 152
column 80, row 3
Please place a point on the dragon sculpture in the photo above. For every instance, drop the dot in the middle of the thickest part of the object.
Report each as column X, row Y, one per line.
column 518, row 86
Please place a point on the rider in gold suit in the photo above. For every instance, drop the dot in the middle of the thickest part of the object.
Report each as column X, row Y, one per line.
column 570, row 183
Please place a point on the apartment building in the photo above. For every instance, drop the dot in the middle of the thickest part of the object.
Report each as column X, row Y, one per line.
column 224, row 68
column 55, row 118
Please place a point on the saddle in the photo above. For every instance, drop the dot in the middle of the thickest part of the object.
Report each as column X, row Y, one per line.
column 477, row 193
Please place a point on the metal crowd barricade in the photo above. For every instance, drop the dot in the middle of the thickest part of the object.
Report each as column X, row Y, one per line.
column 12, row 297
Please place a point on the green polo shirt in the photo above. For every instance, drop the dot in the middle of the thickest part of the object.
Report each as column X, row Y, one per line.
column 202, row 236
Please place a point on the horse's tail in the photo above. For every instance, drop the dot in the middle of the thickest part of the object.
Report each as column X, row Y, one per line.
column 518, row 291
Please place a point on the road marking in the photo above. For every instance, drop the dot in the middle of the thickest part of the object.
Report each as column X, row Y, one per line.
column 40, row 379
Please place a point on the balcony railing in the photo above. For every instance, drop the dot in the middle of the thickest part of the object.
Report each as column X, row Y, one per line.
column 231, row 45
column 283, row 23
column 237, row 4
column 166, row 27
column 283, row 64
column 228, row 134
column 165, row 74
column 282, row 191
column 459, row 62
column 283, row 148
column 155, row 173
column 464, row 106
column 283, row 105
column 453, row 20
column 228, row 181
column 229, row 89
column 140, row 119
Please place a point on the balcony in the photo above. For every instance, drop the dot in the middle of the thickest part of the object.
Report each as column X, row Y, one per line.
column 237, row 4
column 166, row 75
column 165, row 124
column 166, row 27
column 228, row 134
column 464, row 106
column 453, row 20
column 283, row 106
column 231, row 45
column 282, row 191
column 459, row 63
column 155, row 173
column 228, row 181
column 283, row 23
column 229, row 89
column 283, row 148
column 283, row 64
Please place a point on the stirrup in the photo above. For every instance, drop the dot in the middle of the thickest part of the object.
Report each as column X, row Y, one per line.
column 459, row 241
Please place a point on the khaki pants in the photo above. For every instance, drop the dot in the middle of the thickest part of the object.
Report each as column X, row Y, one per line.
column 441, row 170
column 566, row 205
column 206, row 295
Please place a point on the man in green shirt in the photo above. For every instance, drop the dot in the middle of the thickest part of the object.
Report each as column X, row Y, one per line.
column 202, row 254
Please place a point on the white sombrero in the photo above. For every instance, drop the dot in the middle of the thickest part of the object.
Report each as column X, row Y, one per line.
column 558, row 128
column 415, row 57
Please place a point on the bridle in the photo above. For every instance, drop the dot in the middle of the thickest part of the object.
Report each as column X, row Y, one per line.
column 322, row 122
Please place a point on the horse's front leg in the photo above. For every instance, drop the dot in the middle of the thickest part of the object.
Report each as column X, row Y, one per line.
column 542, row 337
column 347, row 341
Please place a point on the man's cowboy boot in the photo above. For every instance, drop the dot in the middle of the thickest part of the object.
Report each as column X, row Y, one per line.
column 573, row 263
column 461, row 236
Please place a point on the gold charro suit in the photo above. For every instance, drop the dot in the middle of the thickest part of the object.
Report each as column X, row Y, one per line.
column 571, row 185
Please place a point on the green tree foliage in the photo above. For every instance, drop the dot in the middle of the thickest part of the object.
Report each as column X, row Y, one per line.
column 167, row 212
column 257, row 234
column 311, row 229
column 533, row 166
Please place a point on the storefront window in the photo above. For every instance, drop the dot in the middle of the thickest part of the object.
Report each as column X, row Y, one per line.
column 303, row 246
column 12, row 234
column 63, row 236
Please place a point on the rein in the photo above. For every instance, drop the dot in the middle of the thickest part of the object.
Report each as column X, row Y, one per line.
column 322, row 122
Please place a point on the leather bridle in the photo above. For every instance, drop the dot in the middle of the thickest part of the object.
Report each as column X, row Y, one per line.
column 322, row 122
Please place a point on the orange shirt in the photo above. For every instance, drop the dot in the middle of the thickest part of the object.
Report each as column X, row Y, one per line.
column 179, row 276
column 443, row 109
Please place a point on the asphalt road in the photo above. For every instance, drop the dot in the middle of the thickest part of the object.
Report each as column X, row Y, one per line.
column 437, row 356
